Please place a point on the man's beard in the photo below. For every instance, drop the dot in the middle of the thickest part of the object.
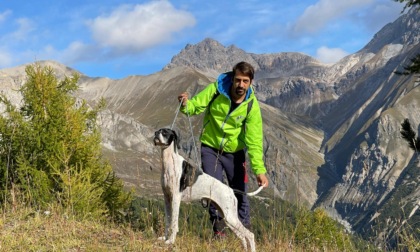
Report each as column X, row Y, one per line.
column 240, row 91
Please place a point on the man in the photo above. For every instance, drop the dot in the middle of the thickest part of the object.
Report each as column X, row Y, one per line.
column 232, row 123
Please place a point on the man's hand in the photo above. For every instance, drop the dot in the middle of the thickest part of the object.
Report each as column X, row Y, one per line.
column 262, row 180
column 184, row 98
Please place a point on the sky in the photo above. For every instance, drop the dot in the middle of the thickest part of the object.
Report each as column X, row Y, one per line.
column 119, row 38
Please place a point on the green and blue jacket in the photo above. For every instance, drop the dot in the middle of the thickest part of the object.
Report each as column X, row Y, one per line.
column 229, row 131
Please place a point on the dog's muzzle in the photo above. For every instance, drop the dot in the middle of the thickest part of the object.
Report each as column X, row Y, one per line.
column 157, row 141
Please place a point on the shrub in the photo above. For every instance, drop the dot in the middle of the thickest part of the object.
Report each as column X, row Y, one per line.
column 319, row 229
column 50, row 149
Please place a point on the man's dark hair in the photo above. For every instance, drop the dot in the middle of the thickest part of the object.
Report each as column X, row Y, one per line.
column 244, row 68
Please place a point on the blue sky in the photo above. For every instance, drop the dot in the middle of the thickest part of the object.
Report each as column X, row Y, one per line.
column 117, row 38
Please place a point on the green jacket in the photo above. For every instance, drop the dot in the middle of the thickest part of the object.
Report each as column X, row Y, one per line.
column 229, row 132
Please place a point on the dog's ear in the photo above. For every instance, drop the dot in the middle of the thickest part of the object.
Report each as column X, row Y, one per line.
column 189, row 175
column 177, row 140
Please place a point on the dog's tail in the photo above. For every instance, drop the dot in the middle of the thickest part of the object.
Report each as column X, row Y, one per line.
column 250, row 193
column 255, row 192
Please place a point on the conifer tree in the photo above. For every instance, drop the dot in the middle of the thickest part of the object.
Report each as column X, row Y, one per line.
column 410, row 136
column 50, row 148
column 409, row 3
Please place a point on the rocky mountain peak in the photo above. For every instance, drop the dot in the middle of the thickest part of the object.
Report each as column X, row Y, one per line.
column 212, row 58
column 209, row 56
column 331, row 132
column 405, row 31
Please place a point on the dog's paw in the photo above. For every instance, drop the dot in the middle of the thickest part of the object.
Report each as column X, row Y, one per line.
column 167, row 241
column 170, row 241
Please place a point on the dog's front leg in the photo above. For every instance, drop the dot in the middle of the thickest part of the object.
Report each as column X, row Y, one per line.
column 168, row 209
column 174, row 215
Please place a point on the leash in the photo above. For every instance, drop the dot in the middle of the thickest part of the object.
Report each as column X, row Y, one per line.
column 250, row 193
column 205, row 202
column 195, row 149
column 176, row 114
column 191, row 129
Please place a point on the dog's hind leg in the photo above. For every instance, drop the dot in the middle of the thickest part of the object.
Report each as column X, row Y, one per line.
column 246, row 236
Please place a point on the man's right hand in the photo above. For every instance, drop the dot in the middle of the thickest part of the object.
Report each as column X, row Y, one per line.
column 184, row 98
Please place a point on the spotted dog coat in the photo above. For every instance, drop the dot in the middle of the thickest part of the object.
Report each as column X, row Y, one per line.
column 181, row 181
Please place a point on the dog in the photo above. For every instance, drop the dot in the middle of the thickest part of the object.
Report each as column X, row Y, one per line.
column 183, row 182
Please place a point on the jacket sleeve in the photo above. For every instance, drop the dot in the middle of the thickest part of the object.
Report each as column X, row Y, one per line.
column 199, row 102
column 254, row 139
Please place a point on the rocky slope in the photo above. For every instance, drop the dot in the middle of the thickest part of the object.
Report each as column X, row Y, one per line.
column 359, row 103
column 331, row 131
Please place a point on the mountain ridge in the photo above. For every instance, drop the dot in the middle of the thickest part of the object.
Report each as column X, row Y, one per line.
column 331, row 131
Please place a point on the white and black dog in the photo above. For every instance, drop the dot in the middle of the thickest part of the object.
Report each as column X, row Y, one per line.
column 181, row 181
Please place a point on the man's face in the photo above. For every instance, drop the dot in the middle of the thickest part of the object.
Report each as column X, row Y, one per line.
column 241, row 83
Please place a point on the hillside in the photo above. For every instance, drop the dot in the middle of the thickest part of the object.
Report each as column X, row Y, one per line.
column 332, row 135
column 55, row 229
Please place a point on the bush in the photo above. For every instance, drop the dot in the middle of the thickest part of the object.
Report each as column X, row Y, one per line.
column 50, row 149
column 319, row 229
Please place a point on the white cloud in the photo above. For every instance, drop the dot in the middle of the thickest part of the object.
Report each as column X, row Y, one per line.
column 4, row 15
column 79, row 51
column 380, row 14
column 316, row 16
column 5, row 59
column 135, row 28
column 330, row 55
column 75, row 52
column 25, row 26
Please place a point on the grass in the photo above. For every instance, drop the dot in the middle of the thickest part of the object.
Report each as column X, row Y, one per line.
column 277, row 225
column 28, row 230
column 56, row 233
column 25, row 229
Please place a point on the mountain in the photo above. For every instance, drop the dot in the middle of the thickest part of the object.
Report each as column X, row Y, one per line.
column 359, row 104
column 331, row 132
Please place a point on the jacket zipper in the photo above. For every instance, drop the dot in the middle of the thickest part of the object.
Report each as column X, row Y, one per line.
column 223, row 125
column 224, row 122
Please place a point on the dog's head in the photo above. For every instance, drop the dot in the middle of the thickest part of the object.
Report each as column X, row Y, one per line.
column 165, row 137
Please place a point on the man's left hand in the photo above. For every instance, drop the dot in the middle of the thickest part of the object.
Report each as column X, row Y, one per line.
column 262, row 180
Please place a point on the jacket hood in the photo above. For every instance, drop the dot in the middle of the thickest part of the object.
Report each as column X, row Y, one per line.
column 224, row 83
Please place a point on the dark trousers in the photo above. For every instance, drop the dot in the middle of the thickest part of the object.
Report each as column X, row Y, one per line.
column 214, row 163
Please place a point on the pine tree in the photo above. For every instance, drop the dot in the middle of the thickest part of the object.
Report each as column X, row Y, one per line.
column 410, row 136
column 409, row 3
column 50, row 148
